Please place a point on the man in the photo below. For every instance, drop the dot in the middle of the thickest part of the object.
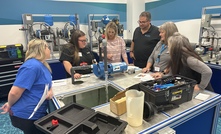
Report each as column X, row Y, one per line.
column 145, row 38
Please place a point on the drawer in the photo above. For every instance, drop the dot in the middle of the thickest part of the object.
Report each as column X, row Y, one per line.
column 10, row 67
column 4, row 91
column 7, row 76
column 8, row 70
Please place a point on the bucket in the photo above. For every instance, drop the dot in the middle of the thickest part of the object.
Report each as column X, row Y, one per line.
column 134, row 104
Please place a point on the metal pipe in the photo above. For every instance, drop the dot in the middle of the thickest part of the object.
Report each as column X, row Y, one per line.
column 104, row 43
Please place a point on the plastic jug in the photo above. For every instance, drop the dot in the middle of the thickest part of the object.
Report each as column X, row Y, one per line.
column 134, row 104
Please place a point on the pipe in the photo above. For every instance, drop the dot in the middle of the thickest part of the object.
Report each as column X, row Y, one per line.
column 104, row 43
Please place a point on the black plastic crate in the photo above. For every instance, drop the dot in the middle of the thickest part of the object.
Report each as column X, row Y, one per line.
column 77, row 119
column 100, row 123
column 170, row 90
column 67, row 117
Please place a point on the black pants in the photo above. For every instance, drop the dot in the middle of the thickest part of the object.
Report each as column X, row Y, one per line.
column 27, row 126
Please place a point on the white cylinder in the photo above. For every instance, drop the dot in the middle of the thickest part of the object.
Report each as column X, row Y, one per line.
column 134, row 104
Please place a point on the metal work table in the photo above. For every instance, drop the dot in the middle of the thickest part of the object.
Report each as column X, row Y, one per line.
column 173, row 118
column 194, row 116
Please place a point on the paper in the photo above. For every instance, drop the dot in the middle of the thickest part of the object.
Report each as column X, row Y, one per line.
column 202, row 96
column 133, row 67
column 41, row 100
column 144, row 76
column 59, row 83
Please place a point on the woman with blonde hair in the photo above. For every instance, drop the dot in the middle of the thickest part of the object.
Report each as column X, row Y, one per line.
column 33, row 85
column 116, row 47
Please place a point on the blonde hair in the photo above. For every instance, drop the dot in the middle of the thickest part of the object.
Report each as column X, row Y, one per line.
column 113, row 26
column 36, row 49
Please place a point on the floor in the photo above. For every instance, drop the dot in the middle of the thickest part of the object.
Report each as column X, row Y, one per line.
column 5, row 123
column 7, row 128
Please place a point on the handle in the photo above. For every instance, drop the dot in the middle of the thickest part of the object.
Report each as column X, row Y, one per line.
column 129, row 99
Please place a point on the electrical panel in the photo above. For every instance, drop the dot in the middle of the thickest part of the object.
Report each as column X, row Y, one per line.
column 205, row 20
column 27, row 18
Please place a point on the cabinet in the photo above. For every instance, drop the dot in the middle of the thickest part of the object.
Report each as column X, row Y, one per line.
column 11, row 58
column 8, row 71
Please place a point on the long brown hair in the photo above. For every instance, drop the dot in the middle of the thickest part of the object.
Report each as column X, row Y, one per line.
column 180, row 49
column 73, row 45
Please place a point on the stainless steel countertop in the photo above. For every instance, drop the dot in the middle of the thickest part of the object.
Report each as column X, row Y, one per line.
column 65, row 86
column 160, row 120
column 188, row 109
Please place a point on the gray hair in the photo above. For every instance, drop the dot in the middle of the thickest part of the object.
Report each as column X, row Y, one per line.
column 146, row 14
column 170, row 28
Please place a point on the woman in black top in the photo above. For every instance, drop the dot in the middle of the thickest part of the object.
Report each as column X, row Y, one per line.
column 76, row 53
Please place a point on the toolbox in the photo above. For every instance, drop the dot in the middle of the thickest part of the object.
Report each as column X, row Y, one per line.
column 169, row 90
column 77, row 119
column 13, row 51
column 11, row 58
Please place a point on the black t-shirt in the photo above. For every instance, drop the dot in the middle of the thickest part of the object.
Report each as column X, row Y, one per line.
column 86, row 58
column 144, row 44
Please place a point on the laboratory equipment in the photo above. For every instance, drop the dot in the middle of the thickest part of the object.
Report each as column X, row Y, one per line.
column 209, row 34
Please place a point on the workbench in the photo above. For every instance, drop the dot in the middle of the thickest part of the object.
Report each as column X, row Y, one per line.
column 192, row 117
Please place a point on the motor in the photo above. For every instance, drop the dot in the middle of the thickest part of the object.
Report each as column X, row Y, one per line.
column 98, row 69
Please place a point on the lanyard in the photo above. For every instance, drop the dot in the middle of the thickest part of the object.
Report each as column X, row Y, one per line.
column 41, row 101
column 163, row 47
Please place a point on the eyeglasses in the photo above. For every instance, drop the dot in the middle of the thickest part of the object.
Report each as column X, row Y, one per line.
column 46, row 46
column 83, row 41
column 141, row 22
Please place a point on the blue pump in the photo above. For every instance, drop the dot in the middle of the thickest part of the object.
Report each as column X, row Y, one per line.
column 98, row 69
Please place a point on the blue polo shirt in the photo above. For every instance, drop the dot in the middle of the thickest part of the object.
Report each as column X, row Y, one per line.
column 33, row 76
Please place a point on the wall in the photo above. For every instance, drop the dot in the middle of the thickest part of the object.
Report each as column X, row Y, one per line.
column 11, row 14
column 185, row 13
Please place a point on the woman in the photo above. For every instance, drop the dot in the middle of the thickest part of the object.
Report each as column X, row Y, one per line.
column 32, row 85
column 186, row 62
column 75, row 53
column 159, row 58
column 115, row 45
